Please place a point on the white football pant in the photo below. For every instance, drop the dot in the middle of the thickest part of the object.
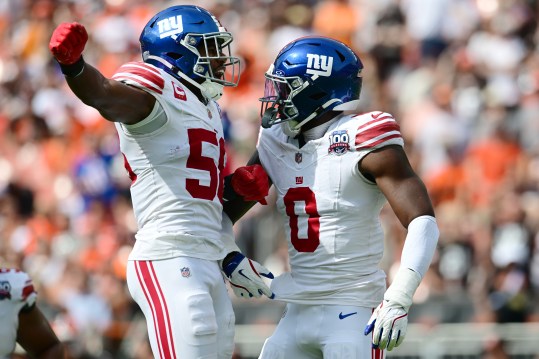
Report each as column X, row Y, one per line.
column 188, row 311
column 321, row 331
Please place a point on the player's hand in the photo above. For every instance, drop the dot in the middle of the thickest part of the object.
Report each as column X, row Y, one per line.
column 251, row 182
column 245, row 276
column 388, row 325
column 67, row 42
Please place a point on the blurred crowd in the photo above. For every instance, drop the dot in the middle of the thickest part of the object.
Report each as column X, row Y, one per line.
column 460, row 76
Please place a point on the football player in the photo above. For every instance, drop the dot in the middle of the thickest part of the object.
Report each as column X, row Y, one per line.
column 22, row 320
column 171, row 137
column 333, row 169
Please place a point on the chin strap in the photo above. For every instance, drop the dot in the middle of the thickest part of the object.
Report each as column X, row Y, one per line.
column 290, row 128
column 208, row 89
column 211, row 90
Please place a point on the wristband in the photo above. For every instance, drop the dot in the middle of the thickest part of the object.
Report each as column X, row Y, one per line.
column 74, row 69
column 232, row 257
column 228, row 193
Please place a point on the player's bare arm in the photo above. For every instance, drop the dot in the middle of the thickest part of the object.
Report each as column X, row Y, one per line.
column 244, row 188
column 408, row 197
column 114, row 100
column 394, row 175
column 36, row 336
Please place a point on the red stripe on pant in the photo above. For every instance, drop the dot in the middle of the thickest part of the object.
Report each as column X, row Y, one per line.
column 377, row 353
column 161, row 319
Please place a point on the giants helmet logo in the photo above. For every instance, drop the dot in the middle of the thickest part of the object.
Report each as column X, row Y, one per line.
column 319, row 65
column 170, row 26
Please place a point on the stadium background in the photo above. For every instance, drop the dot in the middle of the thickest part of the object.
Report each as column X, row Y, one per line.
column 460, row 76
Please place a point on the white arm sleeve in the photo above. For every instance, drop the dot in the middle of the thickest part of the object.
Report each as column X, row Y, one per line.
column 420, row 244
column 417, row 254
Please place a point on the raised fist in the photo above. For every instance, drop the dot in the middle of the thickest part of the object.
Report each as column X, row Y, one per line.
column 251, row 182
column 67, row 42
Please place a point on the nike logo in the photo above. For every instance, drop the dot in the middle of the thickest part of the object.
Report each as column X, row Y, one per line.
column 342, row 316
column 243, row 275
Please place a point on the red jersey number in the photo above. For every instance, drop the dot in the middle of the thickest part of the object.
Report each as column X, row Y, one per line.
column 305, row 195
column 197, row 161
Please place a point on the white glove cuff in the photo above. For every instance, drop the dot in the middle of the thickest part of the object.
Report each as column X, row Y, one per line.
column 403, row 287
column 420, row 244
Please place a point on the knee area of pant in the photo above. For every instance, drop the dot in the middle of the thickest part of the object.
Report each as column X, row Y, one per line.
column 272, row 351
column 201, row 314
column 341, row 350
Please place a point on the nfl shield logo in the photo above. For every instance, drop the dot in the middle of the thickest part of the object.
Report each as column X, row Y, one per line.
column 186, row 272
column 299, row 157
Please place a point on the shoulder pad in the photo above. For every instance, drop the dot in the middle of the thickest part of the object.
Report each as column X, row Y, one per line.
column 141, row 74
column 376, row 129
column 16, row 285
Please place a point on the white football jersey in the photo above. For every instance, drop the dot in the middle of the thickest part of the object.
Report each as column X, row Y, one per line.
column 16, row 293
column 176, row 171
column 331, row 212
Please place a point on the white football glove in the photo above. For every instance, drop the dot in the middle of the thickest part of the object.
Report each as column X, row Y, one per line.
column 388, row 325
column 245, row 276
column 389, row 320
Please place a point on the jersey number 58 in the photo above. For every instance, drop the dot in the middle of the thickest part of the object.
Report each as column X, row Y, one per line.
column 197, row 161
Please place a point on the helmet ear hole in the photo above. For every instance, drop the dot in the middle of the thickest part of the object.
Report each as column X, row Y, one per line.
column 174, row 55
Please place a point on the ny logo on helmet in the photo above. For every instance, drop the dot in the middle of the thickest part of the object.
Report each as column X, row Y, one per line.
column 170, row 26
column 320, row 65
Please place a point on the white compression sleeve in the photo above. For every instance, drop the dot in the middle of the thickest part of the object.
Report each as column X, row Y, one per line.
column 420, row 244
column 416, row 256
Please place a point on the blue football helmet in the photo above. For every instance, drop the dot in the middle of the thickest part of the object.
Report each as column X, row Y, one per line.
column 310, row 76
column 183, row 40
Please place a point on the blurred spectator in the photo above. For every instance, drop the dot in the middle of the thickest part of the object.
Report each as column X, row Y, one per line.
column 337, row 19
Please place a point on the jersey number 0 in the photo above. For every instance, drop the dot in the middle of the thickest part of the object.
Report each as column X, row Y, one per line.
column 305, row 195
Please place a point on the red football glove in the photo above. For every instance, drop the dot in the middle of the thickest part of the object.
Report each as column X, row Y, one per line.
column 251, row 182
column 67, row 42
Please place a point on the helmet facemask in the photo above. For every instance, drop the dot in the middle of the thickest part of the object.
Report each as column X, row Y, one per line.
column 277, row 103
column 213, row 47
